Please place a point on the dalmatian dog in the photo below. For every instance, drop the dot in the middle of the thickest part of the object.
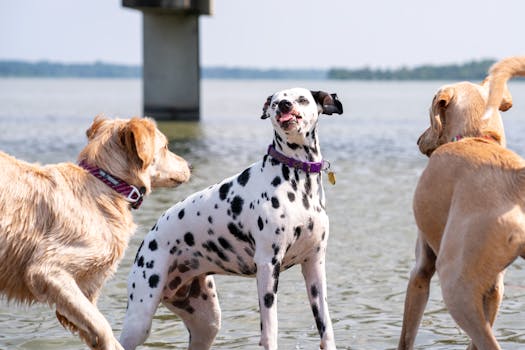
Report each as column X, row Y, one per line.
column 258, row 223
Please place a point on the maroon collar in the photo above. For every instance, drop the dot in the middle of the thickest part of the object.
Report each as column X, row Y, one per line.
column 309, row 167
column 132, row 194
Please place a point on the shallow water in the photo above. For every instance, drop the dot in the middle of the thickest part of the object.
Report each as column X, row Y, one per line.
column 370, row 253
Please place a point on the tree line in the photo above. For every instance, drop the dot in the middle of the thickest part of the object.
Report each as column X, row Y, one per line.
column 474, row 70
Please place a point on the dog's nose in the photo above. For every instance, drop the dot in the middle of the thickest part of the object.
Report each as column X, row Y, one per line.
column 285, row 106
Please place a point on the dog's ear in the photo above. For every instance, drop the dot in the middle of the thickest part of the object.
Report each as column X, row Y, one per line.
column 328, row 103
column 265, row 113
column 97, row 123
column 138, row 138
column 439, row 106
column 506, row 98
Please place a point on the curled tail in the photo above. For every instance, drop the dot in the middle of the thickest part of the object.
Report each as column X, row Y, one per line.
column 499, row 95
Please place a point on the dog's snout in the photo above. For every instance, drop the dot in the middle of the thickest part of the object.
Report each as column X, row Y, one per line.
column 285, row 106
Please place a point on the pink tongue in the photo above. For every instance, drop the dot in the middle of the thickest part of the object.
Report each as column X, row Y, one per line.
column 285, row 117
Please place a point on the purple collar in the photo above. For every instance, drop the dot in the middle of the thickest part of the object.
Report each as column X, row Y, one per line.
column 309, row 167
column 130, row 192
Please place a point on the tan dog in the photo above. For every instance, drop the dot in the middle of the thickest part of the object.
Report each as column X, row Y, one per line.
column 63, row 229
column 469, row 209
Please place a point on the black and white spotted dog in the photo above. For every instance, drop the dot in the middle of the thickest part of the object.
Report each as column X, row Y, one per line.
column 257, row 223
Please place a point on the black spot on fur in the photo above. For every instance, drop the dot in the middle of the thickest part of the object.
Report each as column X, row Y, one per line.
column 212, row 247
column 241, row 236
column 313, row 291
column 175, row 283
column 276, row 272
column 260, row 223
column 224, row 189
column 244, row 177
column 210, row 219
column 276, row 181
column 275, row 202
column 188, row 238
column 297, row 232
column 181, row 214
column 308, row 185
column 236, row 205
column 293, row 146
column 310, row 224
column 291, row 196
column 150, row 264
column 183, row 268
column 306, row 203
column 138, row 251
column 140, row 261
column 153, row 281
column 268, row 300
column 153, row 245
column 318, row 322
column 286, row 172
column 225, row 244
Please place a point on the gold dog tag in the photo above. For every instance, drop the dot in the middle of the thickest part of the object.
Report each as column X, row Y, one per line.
column 331, row 177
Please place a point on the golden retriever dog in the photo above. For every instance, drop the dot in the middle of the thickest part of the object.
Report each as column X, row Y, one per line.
column 65, row 227
column 469, row 208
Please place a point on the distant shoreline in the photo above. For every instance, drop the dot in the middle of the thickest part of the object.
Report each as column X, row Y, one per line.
column 473, row 70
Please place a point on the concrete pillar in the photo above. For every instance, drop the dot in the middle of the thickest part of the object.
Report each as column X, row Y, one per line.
column 171, row 70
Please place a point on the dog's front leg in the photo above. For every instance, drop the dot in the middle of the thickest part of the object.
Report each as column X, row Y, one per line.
column 267, row 281
column 315, row 280
column 74, row 310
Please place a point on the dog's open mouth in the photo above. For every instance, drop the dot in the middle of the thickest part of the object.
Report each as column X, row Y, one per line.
column 287, row 120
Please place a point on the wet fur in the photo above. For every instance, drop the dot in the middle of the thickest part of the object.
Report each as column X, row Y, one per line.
column 63, row 231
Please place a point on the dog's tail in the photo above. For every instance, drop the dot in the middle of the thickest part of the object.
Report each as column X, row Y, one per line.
column 499, row 95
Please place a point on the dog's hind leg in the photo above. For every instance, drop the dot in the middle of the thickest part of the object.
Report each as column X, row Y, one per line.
column 417, row 293
column 315, row 279
column 466, row 298
column 196, row 303
column 492, row 299
column 54, row 286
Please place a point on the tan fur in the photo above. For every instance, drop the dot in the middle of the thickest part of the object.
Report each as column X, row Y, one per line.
column 63, row 231
column 469, row 208
column 463, row 108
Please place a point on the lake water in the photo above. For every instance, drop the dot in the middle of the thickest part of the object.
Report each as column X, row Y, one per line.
column 372, row 146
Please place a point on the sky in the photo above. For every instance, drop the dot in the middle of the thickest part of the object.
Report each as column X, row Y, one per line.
column 275, row 33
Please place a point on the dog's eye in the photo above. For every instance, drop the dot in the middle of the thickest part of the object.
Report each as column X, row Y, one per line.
column 303, row 100
column 274, row 105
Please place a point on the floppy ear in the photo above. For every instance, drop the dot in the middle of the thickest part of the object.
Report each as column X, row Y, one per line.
column 439, row 106
column 328, row 103
column 97, row 123
column 265, row 114
column 138, row 138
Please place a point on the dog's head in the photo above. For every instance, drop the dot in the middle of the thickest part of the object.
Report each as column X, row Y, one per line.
column 294, row 112
column 458, row 110
column 136, row 151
